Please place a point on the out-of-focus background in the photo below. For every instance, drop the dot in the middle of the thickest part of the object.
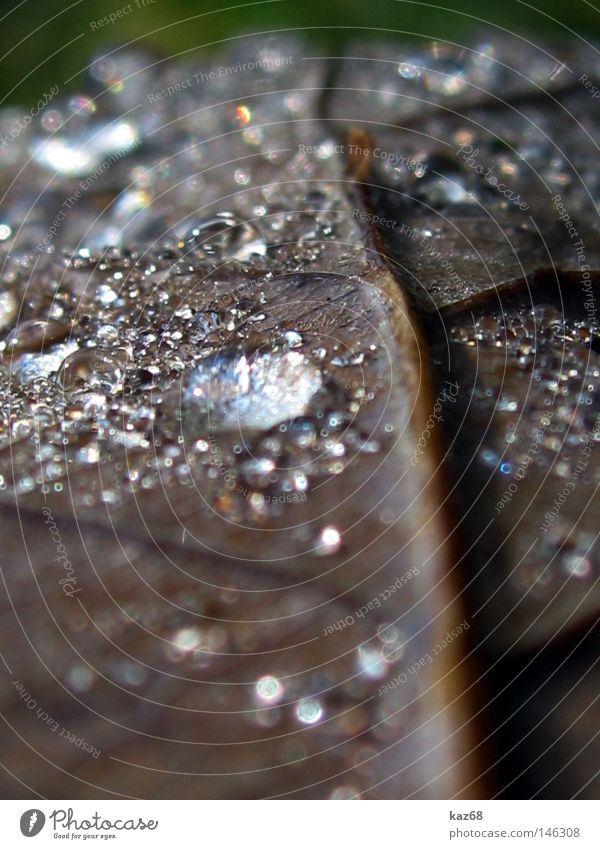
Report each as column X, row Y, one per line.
column 50, row 42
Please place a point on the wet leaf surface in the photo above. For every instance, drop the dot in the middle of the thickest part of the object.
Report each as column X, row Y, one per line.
column 298, row 427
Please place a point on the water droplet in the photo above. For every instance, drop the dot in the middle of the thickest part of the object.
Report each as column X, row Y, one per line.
column 187, row 639
column 80, row 155
column 225, row 237
column 234, row 391
column 52, row 120
column 107, row 334
column 88, row 454
column 488, row 457
column 309, row 711
column 130, row 674
column 8, row 309
column 106, row 295
column 292, row 339
column 31, row 367
column 269, row 689
column 408, row 70
column 388, row 633
column 345, row 792
column 371, row 661
column 80, row 678
column 90, row 369
column 82, row 104
column 21, row 428
column 329, row 541
column 348, row 360
column 257, row 470
column 577, row 565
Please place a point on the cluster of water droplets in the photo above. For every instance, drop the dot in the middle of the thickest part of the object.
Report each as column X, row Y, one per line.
column 237, row 183
column 383, row 82
column 166, row 379
column 178, row 318
column 119, row 348
column 538, row 378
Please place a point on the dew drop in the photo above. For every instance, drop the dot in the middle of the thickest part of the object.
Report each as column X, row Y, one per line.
column 90, row 369
column 269, row 689
column 309, row 711
column 329, row 541
column 577, row 565
column 225, row 237
column 233, row 391
column 371, row 662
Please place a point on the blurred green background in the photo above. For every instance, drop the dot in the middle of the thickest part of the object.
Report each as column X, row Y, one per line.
column 46, row 42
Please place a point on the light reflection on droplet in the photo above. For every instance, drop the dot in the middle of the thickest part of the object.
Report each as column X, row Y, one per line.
column 243, row 115
column 345, row 792
column 269, row 689
column 309, row 711
column 577, row 565
column 371, row 662
column 187, row 639
column 329, row 541
column 80, row 678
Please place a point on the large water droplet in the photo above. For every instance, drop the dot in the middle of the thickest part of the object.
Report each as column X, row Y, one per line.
column 225, row 237
column 32, row 367
column 90, row 369
column 236, row 391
